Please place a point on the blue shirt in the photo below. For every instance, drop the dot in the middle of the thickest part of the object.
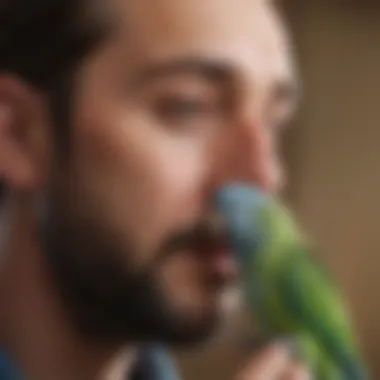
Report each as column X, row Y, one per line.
column 154, row 364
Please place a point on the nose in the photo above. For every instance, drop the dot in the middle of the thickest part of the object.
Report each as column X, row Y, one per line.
column 247, row 153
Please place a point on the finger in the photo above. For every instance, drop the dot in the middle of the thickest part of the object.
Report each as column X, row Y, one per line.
column 269, row 365
column 297, row 372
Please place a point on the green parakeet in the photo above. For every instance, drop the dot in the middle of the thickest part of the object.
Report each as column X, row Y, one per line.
column 287, row 290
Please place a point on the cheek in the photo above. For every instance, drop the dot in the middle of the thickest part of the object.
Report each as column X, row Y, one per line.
column 180, row 173
column 171, row 193
column 145, row 182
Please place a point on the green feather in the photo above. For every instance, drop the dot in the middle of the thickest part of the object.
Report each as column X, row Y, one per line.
column 290, row 292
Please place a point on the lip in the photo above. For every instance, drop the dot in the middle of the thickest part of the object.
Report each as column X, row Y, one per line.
column 223, row 264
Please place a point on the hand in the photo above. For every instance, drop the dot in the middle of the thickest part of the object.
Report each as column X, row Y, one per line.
column 274, row 363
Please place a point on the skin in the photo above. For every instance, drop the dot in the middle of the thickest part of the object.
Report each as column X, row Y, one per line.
column 273, row 363
column 185, row 97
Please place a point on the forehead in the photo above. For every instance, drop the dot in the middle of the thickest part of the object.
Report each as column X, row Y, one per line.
column 244, row 33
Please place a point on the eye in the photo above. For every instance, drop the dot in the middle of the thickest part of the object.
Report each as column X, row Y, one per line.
column 277, row 125
column 184, row 108
column 281, row 108
column 279, row 117
column 186, row 103
column 189, row 111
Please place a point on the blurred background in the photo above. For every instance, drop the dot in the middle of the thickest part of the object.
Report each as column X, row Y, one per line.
column 333, row 159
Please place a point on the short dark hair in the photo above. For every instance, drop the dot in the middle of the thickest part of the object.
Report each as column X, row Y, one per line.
column 42, row 42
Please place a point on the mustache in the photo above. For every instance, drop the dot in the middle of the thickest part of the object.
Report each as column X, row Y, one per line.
column 203, row 235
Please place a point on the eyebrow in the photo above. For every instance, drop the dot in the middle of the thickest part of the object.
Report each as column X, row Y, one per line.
column 212, row 70
column 286, row 89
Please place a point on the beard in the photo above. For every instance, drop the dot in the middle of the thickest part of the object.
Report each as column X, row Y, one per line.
column 105, row 298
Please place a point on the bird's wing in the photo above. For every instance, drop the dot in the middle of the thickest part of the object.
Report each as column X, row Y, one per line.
column 312, row 299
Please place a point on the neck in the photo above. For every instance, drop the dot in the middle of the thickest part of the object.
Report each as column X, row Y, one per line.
column 34, row 328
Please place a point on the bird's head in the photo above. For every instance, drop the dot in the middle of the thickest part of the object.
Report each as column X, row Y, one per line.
column 240, row 207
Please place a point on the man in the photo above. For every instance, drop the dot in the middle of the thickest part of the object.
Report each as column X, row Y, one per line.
column 119, row 120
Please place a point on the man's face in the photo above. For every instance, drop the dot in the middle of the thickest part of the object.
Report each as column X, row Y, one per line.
column 187, row 96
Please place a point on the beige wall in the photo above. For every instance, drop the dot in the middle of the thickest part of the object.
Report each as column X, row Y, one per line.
column 336, row 150
column 334, row 162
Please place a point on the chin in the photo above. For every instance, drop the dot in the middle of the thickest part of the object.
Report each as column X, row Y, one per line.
column 195, row 333
column 197, row 325
column 215, row 314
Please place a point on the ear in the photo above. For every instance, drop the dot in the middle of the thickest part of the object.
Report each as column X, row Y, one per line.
column 23, row 135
